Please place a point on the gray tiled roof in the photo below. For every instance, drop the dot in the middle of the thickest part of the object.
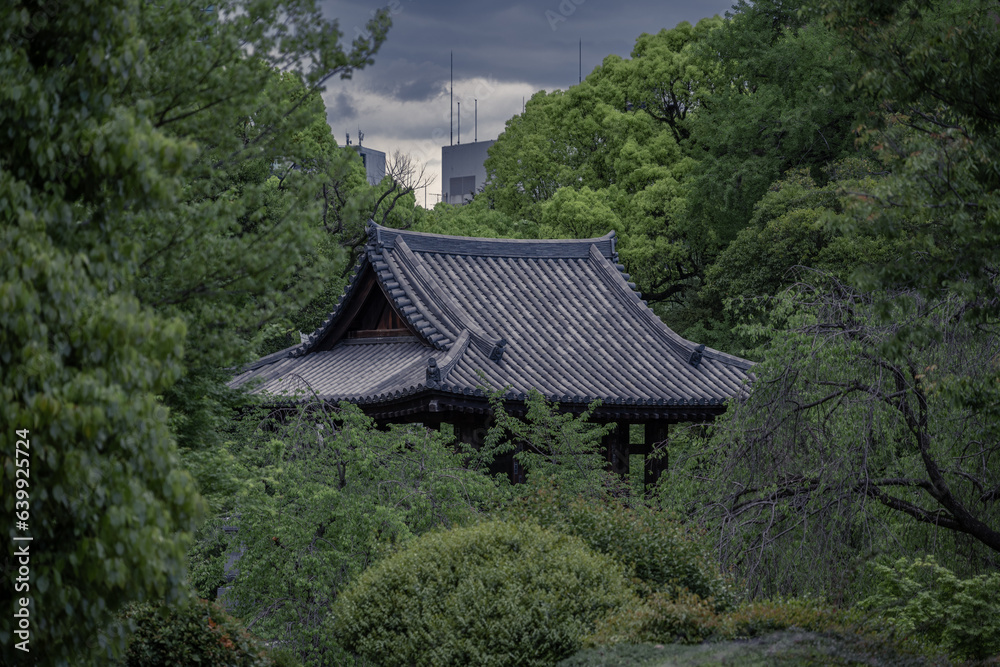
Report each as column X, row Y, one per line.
column 558, row 316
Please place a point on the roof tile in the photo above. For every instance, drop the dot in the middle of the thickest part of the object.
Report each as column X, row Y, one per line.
column 572, row 324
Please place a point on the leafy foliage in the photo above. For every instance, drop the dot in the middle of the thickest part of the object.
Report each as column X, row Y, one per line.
column 143, row 244
column 662, row 553
column 111, row 511
column 325, row 495
column 760, row 617
column 196, row 633
column 496, row 593
column 938, row 134
column 921, row 597
column 781, row 101
column 676, row 617
column 607, row 154
column 553, row 445
column 839, row 446
column 874, row 409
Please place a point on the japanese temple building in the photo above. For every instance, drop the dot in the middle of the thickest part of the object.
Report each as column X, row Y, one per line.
column 424, row 316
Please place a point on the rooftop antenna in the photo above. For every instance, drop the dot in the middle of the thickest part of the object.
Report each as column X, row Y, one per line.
column 475, row 120
column 348, row 138
column 451, row 103
column 361, row 136
column 460, row 123
column 581, row 61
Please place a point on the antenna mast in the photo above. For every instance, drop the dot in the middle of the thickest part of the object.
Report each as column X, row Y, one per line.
column 451, row 103
column 581, row 61
column 475, row 121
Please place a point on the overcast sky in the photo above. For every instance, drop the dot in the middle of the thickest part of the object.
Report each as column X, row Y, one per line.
column 504, row 52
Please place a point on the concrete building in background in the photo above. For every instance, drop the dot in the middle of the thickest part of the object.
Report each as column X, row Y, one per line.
column 462, row 171
column 373, row 160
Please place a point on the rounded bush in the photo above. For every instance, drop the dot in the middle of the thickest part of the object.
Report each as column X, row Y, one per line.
column 496, row 593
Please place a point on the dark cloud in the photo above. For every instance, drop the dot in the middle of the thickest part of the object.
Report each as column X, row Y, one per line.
column 409, row 81
column 503, row 50
column 341, row 106
column 534, row 42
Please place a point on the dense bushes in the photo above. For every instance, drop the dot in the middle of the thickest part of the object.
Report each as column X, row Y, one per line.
column 497, row 593
column 199, row 633
column 683, row 618
column 662, row 553
column 764, row 616
column 686, row 618
column 920, row 597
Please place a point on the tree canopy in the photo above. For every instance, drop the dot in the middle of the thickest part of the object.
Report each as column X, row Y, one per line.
column 149, row 224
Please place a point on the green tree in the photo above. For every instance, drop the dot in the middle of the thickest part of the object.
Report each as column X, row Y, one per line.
column 552, row 446
column 108, row 506
column 787, row 236
column 924, row 598
column 838, row 438
column 611, row 153
column 580, row 214
column 475, row 219
column 122, row 225
column 781, row 100
column 198, row 632
column 325, row 494
column 872, row 425
column 931, row 67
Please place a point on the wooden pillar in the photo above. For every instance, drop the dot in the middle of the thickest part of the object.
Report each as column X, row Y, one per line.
column 616, row 448
column 655, row 450
column 471, row 432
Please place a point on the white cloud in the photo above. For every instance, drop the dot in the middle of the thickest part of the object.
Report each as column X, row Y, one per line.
column 421, row 128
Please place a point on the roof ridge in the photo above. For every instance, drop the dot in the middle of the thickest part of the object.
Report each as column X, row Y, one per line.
column 455, row 354
column 615, row 278
column 434, row 294
column 633, row 298
column 494, row 247
column 399, row 286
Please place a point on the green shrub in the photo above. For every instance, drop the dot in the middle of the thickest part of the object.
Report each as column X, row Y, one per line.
column 682, row 618
column 786, row 648
column 766, row 616
column 962, row 616
column 199, row 633
column 657, row 549
column 685, row 618
column 496, row 593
